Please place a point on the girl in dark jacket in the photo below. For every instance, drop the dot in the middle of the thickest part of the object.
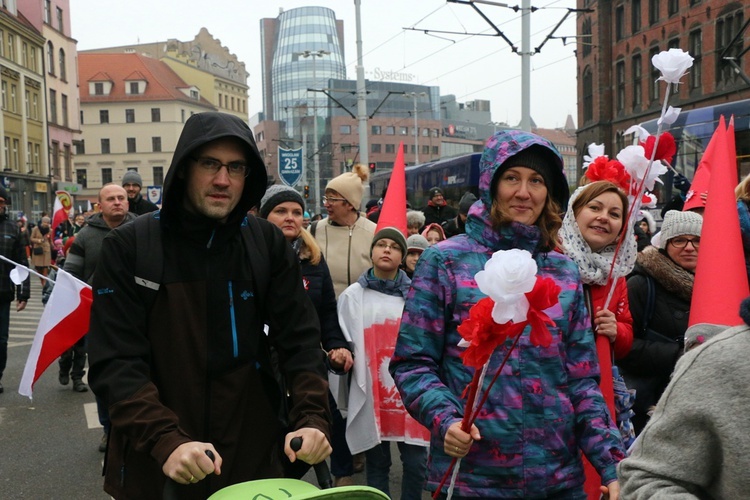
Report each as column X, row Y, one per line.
column 666, row 274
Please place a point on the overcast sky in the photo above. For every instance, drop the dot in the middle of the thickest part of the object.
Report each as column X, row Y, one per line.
column 470, row 67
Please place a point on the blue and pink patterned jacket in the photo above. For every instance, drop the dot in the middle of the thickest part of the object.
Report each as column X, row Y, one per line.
column 546, row 405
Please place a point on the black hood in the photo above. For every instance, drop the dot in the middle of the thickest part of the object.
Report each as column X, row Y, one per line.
column 200, row 129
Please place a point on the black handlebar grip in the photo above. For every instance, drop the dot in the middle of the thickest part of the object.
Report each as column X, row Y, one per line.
column 322, row 473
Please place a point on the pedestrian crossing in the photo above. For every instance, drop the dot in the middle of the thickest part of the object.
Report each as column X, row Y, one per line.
column 23, row 324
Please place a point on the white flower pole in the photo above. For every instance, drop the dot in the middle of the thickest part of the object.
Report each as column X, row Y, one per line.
column 506, row 278
column 673, row 64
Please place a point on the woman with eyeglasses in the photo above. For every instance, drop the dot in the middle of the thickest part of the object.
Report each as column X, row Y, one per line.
column 659, row 291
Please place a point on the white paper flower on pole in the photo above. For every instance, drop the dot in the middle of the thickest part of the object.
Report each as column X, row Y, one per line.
column 595, row 151
column 18, row 275
column 506, row 278
column 669, row 117
column 635, row 162
column 640, row 133
column 673, row 64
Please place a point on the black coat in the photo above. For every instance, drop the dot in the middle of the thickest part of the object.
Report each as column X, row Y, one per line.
column 454, row 226
column 140, row 205
column 436, row 214
column 319, row 286
column 652, row 359
column 12, row 246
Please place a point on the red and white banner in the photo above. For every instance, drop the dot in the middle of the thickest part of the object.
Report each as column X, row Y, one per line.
column 64, row 321
column 63, row 203
column 394, row 423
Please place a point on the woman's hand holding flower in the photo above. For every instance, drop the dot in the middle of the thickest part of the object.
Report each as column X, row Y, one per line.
column 606, row 324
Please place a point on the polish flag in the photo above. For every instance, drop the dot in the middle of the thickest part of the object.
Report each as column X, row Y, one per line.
column 64, row 321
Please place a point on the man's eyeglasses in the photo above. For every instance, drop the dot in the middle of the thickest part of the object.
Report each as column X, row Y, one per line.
column 680, row 242
column 328, row 199
column 382, row 245
column 235, row 169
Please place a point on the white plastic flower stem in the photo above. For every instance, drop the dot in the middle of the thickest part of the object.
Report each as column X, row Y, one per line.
column 476, row 402
column 638, row 197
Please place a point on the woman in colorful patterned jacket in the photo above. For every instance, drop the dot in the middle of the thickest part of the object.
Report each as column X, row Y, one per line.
column 546, row 405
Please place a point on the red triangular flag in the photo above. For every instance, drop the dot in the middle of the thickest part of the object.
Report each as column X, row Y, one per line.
column 721, row 278
column 65, row 320
column 393, row 211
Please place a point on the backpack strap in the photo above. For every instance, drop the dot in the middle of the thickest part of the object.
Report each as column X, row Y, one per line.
column 314, row 227
column 260, row 261
column 149, row 256
column 650, row 302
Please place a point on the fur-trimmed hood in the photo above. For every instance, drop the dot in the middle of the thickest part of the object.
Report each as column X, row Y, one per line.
column 666, row 272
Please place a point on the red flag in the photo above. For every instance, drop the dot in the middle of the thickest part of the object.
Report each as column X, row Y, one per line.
column 60, row 211
column 393, row 211
column 702, row 178
column 720, row 279
column 64, row 321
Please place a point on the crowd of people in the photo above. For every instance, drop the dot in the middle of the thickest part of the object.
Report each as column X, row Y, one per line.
column 230, row 310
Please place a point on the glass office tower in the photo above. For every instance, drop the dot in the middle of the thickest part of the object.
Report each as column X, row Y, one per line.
column 308, row 52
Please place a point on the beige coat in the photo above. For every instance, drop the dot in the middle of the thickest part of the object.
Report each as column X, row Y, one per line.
column 346, row 250
column 45, row 259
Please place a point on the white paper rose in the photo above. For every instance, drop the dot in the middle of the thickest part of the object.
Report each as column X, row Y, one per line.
column 506, row 278
column 595, row 151
column 635, row 162
column 672, row 64
column 641, row 133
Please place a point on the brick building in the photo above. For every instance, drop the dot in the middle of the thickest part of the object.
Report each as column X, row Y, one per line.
column 617, row 84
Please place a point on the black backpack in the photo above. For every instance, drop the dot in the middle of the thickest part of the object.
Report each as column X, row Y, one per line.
column 149, row 256
column 149, row 268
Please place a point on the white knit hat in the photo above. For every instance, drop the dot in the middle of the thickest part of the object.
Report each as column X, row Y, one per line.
column 350, row 185
column 679, row 224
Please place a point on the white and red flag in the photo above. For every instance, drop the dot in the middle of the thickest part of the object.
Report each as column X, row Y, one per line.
column 64, row 321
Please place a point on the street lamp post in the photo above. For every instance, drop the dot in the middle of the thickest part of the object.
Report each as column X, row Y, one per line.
column 415, row 96
column 316, row 163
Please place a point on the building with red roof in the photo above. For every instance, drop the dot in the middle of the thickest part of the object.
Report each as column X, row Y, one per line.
column 133, row 108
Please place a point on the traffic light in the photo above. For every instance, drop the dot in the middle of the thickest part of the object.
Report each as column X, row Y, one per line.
column 372, row 167
column 307, row 191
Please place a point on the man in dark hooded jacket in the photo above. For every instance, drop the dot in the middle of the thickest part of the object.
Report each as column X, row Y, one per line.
column 182, row 375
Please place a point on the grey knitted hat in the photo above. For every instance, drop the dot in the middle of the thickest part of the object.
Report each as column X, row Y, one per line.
column 701, row 333
column 416, row 242
column 277, row 194
column 679, row 224
column 132, row 177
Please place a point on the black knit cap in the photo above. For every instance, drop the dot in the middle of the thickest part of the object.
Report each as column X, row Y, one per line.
column 542, row 161
column 433, row 191
column 276, row 195
column 467, row 200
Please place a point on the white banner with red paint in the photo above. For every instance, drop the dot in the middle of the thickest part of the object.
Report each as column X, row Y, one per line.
column 370, row 320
